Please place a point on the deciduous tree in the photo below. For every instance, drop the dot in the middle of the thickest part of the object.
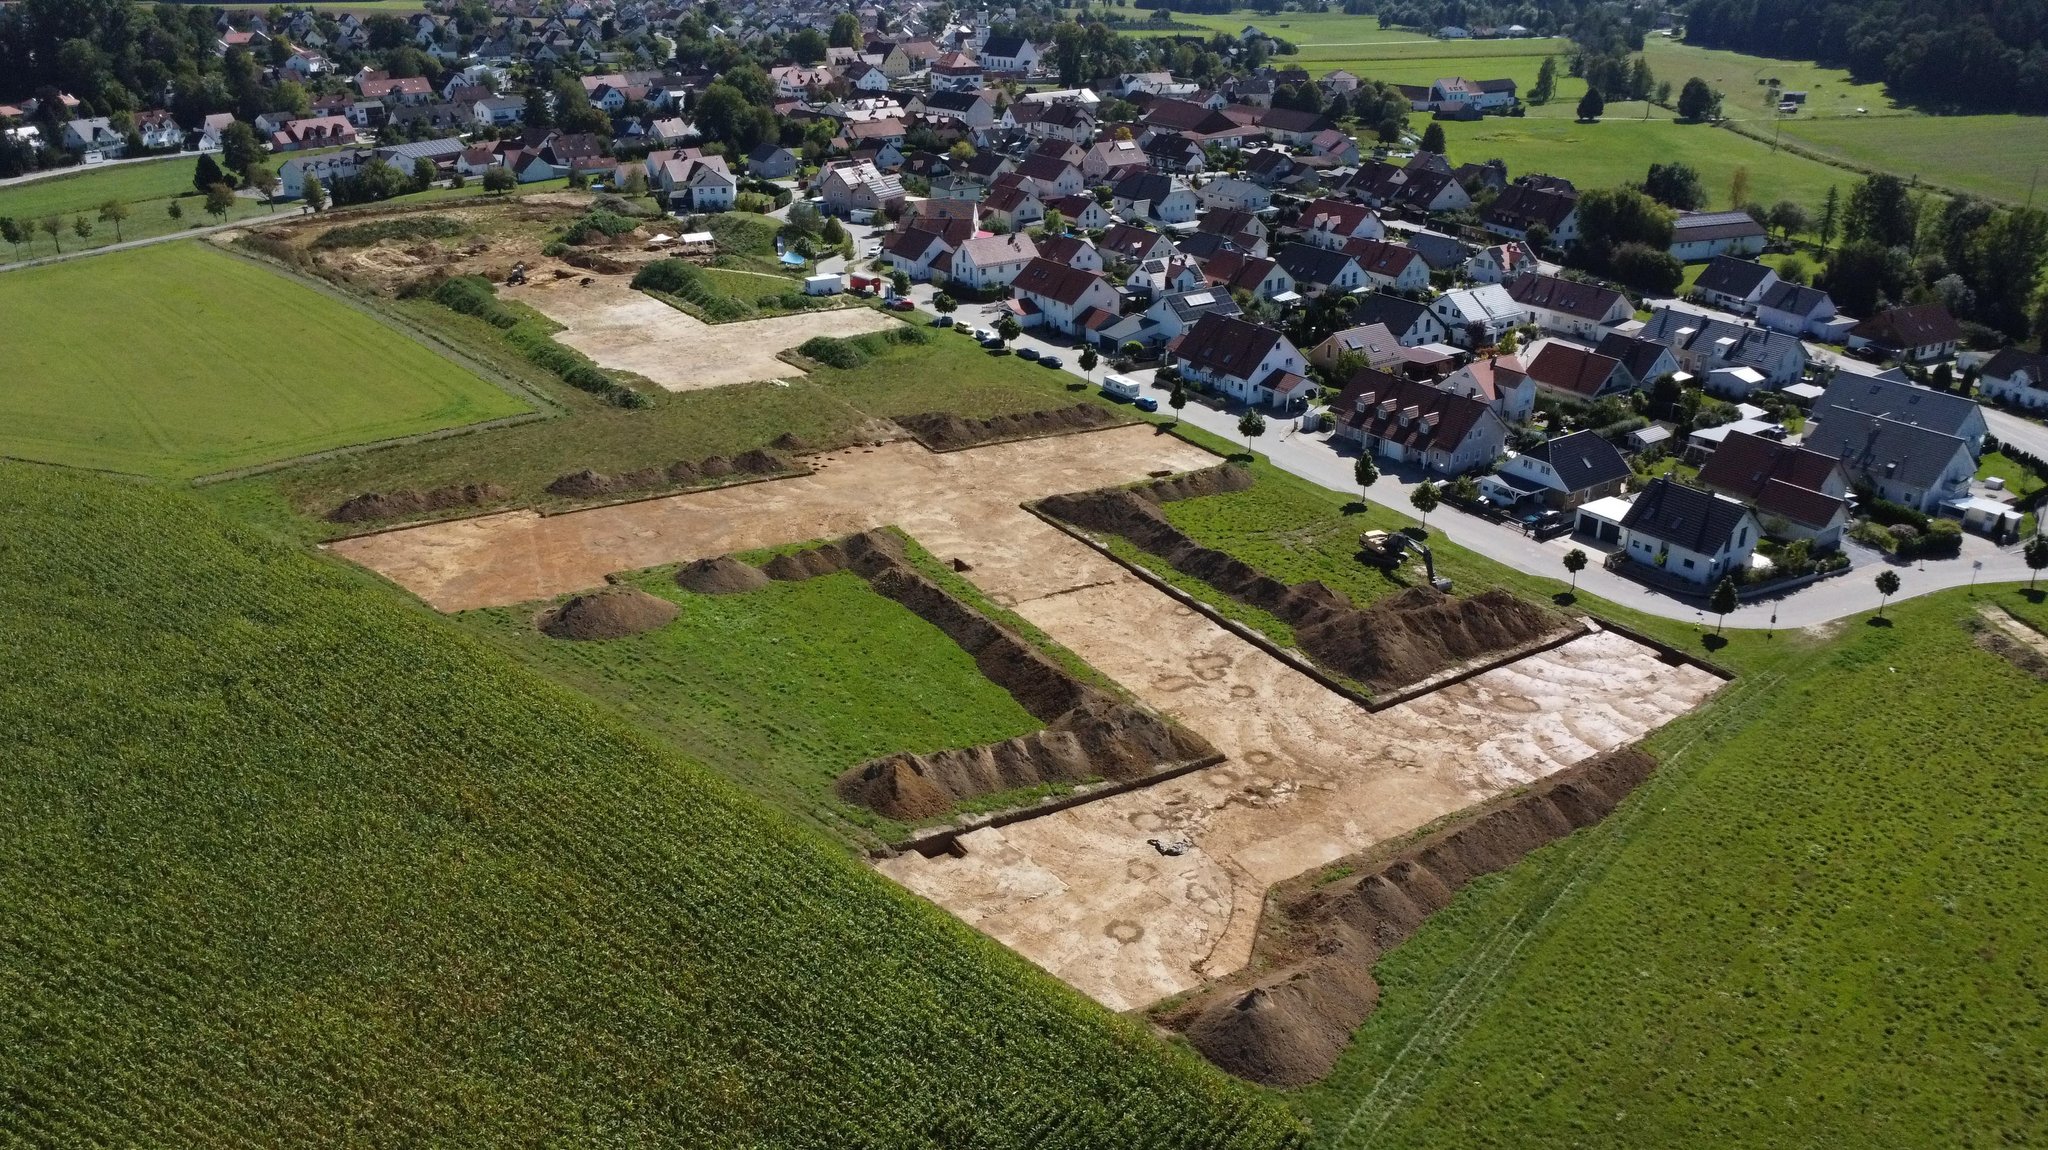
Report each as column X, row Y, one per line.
column 53, row 227
column 1575, row 562
column 1365, row 473
column 220, row 200
column 113, row 212
column 1887, row 586
column 1698, row 101
column 1425, row 500
column 1724, row 601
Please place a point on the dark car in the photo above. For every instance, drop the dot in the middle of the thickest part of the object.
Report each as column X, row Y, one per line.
column 1027, row 353
column 1549, row 525
column 1050, row 361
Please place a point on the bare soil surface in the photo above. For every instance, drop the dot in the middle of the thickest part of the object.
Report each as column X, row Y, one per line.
column 1309, row 778
column 945, row 431
column 1290, row 1028
column 627, row 330
column 2014, row 641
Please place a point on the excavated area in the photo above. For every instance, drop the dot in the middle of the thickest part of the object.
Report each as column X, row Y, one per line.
column 588, row 484
column 1089, row 733
column 1290, row 1028
column 1402, row 639
column 1310, row 777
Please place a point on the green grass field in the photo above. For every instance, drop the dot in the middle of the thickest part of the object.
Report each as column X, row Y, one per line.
column 1817, row 925
column 177, row 360
column 290, row 861
column 778, row 688
column 826, row 409
column 146, row 188
column 1618, row 150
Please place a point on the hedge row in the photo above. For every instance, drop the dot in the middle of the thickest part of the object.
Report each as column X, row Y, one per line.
column 473, row 295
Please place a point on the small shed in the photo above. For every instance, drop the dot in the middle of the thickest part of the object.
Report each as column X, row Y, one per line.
column 1644, row 438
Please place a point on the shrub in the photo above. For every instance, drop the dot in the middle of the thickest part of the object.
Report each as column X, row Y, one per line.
column 598, row 222
column 676, row 276
column 473, row 295
column 1888, row 513
column 832, row 352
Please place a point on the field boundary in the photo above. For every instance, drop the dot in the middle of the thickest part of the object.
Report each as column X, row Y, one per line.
column 1819, row 156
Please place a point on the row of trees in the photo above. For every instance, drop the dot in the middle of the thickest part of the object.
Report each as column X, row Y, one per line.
column 1962, row 55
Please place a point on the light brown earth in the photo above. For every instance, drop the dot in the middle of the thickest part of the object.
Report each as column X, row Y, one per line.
column 1310, row 776
column 631, row 331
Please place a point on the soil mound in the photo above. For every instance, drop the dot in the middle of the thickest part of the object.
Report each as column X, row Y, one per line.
column 1088, row 734
column 1289, row 1030
column 1288, row 1033
column 1412, row 635
column 1400, row 640
column 945, row 431
column 797, row 566
column 790, row 441
column 1221, row 479
column 721, row 576
column 613, row 613
column 373, row 505
column 589, row 484
column 759, row 462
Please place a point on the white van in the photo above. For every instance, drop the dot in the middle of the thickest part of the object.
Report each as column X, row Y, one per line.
column 1119, row 387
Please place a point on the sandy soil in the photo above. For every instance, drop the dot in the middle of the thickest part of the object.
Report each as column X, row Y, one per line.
column 1310, row 776
column 629, row 331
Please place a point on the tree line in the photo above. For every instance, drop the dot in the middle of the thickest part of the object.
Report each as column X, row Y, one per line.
column 1956, row 55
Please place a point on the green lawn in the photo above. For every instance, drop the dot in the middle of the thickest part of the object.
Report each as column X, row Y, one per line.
column 826, row 409
column 146, row 189
column 1619, row 150
column 1818, row 925
column 778, row 687
column 290, row 861
column 177, row 360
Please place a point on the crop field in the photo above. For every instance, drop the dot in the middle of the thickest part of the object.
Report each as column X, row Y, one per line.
column 827, row 408
column 785, row 687
column 1804, row 930
column 289, row 862
column 174, row 369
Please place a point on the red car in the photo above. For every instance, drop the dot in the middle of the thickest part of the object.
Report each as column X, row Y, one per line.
column 901, row 303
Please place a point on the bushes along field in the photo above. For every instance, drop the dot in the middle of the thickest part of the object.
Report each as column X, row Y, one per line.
column 289, row 862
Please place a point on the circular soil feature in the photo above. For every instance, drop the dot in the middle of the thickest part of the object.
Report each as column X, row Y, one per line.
column 724, row 575
column 614, row 613
column 790, row 441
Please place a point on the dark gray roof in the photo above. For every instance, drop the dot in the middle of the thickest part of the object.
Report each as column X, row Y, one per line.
column 1908, row 403
column 1192, row 305
column 1639, row 356
column 1312, row 265
column 1753, row 347
column 1398, row 314
column 1582, row 460
column 1797, row 299
column 1730, row 276
column 1884, row 448
column 1684, row 516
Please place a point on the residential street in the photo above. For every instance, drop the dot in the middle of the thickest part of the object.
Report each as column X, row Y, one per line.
column 1312, row 457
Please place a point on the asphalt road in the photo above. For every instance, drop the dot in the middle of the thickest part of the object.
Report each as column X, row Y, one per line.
column 1313, row 457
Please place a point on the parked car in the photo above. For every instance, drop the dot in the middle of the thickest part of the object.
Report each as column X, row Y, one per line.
column 1146, row 403
column 1027, row 353
column 943, row 321
column 1549, row 525
column 1050, row 361
column 983, row 334
column 902, row 303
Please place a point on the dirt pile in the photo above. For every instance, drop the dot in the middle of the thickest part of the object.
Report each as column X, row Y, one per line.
column 588, row 484
column 721, row 576
column 945, row 431
column 791, row 442
column 1402, row 639
column 1088, row 733
column 374, row 505
column 613, row 613
column 1289, row 1029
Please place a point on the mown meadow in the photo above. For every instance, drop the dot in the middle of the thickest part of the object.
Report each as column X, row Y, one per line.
column 181, row 361
column 286, row 861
